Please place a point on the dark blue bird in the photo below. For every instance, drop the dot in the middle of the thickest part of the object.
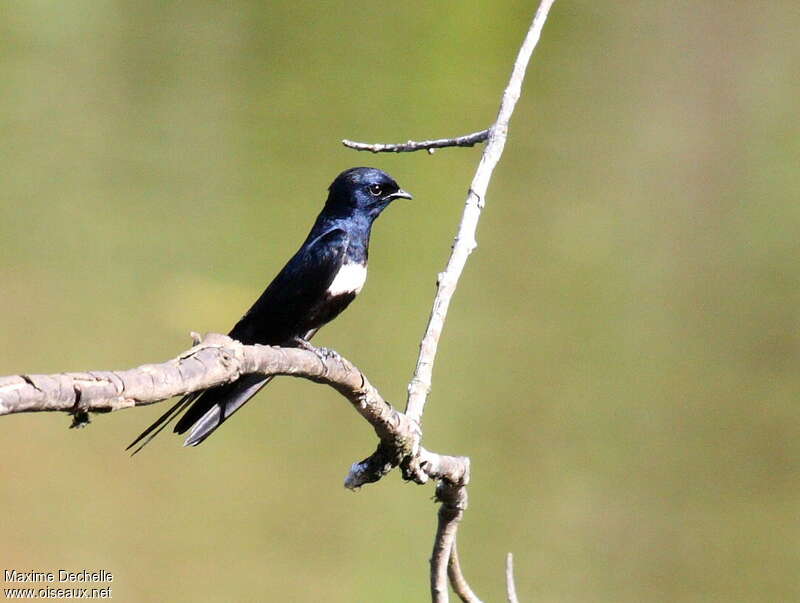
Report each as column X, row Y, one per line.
column 320, row 281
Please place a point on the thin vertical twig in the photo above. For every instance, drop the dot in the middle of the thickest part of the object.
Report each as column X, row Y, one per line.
column 457, row 580
column 450, row 512
column 465, row 242
column 453, row 494
column 511, row 590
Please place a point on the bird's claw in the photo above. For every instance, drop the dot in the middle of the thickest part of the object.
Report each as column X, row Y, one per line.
column 304, row 344
column 324, row 354
column 328, row 354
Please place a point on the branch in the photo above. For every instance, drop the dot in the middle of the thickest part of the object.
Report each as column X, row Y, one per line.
column 457, row 580
column 454, row 500
column 467, row 140
column 219, row 359
column 511, row 590
column 454, row 496
column 465, row 242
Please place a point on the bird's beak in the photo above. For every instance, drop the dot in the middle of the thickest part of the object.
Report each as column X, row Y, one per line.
column 400, row 194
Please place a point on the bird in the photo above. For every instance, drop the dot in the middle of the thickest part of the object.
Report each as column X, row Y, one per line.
column 319, row 281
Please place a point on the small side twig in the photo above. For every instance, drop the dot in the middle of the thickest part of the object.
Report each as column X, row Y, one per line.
column 468, row 140
column 457, row 580
column 511, row 590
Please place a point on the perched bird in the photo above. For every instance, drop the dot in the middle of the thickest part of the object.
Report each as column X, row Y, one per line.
column 314, row 287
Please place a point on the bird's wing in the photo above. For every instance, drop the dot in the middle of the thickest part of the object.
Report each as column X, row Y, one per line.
column 272, row 320
column 277, row 315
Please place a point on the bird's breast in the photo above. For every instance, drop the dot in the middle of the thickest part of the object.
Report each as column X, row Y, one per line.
column 349, row 280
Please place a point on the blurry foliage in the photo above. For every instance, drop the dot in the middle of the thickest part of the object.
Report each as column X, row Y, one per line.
column 620, row 361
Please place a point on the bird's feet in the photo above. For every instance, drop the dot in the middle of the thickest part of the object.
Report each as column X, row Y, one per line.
column 303, row 344
column 324, row 354
column 328, row 354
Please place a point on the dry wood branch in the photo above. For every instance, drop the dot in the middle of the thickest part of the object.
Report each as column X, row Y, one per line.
column 511, row 589
column 454, row 501
column 464, row 244
column 457, row 580
column 467, row 140
column 219, row 359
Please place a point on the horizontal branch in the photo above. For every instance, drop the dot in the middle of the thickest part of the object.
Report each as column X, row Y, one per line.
column 468, row 140
column 218, row 359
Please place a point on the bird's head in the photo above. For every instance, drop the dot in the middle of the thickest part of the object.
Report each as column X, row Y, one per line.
column 364, row 190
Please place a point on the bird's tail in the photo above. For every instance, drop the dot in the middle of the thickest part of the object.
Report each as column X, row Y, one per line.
column 215, row 406
column 162, row 421
column 208, row 410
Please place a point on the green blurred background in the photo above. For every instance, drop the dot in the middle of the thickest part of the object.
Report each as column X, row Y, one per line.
column 620, row 361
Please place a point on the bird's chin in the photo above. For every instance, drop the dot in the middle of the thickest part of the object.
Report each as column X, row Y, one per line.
column 378, row 206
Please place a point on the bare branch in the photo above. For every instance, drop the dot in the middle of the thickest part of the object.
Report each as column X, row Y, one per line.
column 467, row 140
column 457, row 580
column 453, row 496
column 454, row 501
column 214, row 360
column 511, row 590
column 465, row 242
column 219, row 359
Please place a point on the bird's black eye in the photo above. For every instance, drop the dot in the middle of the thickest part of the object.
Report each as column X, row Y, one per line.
column 375, row 190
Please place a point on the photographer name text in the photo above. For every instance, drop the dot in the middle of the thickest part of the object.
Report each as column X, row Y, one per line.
column 61, row 576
